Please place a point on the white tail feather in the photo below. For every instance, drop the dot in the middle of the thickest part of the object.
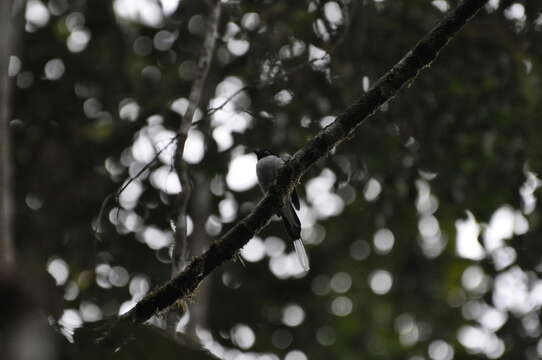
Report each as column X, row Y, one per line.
column 301, row 254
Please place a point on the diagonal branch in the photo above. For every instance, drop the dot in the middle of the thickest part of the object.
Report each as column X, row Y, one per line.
column 341, row 129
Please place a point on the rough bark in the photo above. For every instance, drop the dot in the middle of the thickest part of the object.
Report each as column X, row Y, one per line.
column 404, row 72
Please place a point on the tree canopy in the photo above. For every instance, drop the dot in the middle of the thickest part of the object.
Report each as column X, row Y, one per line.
column 423, row 229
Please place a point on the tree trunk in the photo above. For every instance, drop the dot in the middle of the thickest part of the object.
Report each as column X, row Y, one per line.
column 199, row 308
column 7, row 256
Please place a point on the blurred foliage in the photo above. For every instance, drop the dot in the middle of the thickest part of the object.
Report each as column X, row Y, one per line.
column 465, row 136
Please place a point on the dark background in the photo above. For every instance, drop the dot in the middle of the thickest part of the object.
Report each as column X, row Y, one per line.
column 423, row 230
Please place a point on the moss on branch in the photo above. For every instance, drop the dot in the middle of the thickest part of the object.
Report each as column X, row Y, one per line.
column 405, row 71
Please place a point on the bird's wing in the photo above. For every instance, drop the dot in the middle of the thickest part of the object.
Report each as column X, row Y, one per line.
column 295, row 199
column 291, row 221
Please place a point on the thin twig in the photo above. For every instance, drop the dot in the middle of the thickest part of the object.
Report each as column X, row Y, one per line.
column 211, row 111
column 264, row 83
column 293, row 69
column 147, row 166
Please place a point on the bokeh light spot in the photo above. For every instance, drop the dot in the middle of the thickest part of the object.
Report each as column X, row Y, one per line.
column 242, row 173
column 341, row 306
column 243, row 336
column 58, row 268
column 380, row 281
column 295, row 355
column 254, row 250
column 293, row 315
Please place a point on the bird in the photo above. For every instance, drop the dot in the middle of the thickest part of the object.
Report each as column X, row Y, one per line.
column 266, row 169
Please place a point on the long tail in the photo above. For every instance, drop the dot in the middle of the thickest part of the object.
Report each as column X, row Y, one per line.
column 293, row 228
column 302, row 254
column 291, row 221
